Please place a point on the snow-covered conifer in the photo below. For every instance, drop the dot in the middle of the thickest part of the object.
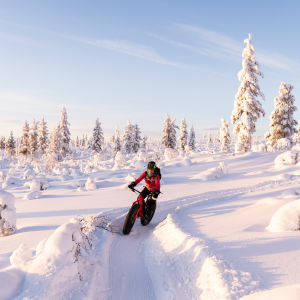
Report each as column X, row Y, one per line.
column 144, row 143
column 10, row 145
column 128, row 138
column 225, row 136
column 282, row 120
column 83, row 141
column 65, row 132
column 77, row 142
column 24, row 147
column 209, row 138
column 43, row 136
column 117, row 144
column 192, row 139
column 246, row 106
column 136, row 133
column 98, row 139
column 33, row 138
column 209, row 142
column 204, row 136
column 183, row 139
column 169, row 139
column 2, row 143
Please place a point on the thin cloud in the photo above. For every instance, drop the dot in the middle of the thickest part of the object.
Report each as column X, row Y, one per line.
column 129, row 48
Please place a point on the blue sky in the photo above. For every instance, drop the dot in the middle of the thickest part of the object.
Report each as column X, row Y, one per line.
column 138, row 60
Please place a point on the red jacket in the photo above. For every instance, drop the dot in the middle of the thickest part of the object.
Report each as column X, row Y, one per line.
column 152, row 183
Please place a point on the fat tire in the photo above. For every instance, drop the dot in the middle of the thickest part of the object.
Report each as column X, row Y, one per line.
column 130, row 218
column 146, row 221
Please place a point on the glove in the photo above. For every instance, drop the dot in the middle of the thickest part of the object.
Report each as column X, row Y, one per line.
column 131, row 186
column 155, row 194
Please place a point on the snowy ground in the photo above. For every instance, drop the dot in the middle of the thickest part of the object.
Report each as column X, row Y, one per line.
column 208, row 239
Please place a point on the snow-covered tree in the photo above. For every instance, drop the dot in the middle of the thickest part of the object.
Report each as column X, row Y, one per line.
column 204, row 136
column 33, row 138
column 209, row 142
column 43, row 136
column 169, row 139
column 183, row 139
column 98, row 139
column 83, row 141
column 192, row 138
column 65, row 132
column 136, row 133
column 2, row 143
column 128, row 138
column 24, row 147
column 225, row 136
column 246, row 106
column 117, row 144
column 77, row 142
column 53, row 152
column 10, row 145
column 144, row 143
column 282, row 120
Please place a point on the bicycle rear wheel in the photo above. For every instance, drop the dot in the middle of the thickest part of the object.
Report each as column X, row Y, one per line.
column 130, row 218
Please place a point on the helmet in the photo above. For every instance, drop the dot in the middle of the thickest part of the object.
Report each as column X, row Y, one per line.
column 151, row 165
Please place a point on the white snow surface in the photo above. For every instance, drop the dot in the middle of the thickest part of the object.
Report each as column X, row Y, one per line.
column 209, row 239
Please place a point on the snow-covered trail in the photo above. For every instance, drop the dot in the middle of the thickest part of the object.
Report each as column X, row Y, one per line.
column 126, row 275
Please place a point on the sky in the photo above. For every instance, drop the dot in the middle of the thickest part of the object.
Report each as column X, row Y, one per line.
column 140, row 60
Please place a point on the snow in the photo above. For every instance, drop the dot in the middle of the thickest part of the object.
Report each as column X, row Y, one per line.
column 215, row 234
column 288, row 157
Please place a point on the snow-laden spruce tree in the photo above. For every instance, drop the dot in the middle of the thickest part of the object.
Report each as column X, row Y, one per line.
column 77, row 142
column 282, row 119
column 24, row 147
column 98, row 139
column 183, row 139
column 2, row 143
column 33, row 138
column 136, row 133
column 204, row 136
column 83, row 141
column 169, row 139
column 128, row 137
column 144, row 143
column 246, row 106
column 225, row 136
column 117, row 144
column 65, row 132
column 192, row 139
column 43, row 137
column 10, row 145
column 53, row 153
column 209, row 142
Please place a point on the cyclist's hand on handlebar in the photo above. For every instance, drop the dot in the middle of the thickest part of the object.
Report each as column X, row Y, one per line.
column 131, row 186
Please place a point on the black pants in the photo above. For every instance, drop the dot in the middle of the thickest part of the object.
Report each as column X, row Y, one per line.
column 144, row 193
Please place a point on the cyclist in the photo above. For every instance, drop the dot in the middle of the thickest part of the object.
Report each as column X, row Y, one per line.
column 152, row 179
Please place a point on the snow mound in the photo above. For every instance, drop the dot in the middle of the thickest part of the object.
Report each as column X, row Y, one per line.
column 186, row 162
column 10, row 182
column 213, row 173
column 81, row 189
column 283, row 177
column 11, row 280
column 33, row 195
column 288, row 157
column 196, row 270
column 290, row 292
column 21, row 255
column 130, row 177
column 7, row 212
column 286, row 218
column 290, row 193
column 90, row 185
column 65, row 177
column 268, row 200
column 140, row 164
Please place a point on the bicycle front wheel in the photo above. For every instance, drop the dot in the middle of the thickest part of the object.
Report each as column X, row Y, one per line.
column 130, row 218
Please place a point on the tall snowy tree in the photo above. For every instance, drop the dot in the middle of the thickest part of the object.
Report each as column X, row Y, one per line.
column 33, row 138
column 246, row 106
column 183, row 139
column 24, row 147
column 54, row 149
column 77, row 142
column 169, row 139
column 43, row 136
column 2, row 143
column 144, row 143
column 117, row 144
column 10, row 145
column 98, row 139
column 128, row 138
column 83, row 141
column 65, row 132
column 282, row 120
column 192, row 138
column 136, row 133
column 225, row 136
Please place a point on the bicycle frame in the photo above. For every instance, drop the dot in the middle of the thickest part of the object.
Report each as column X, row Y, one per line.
column 141, row 203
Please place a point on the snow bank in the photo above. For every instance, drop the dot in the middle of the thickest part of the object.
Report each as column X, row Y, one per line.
column 196, row 270
column 286, row 218
column 33, row 195
column 186, row 162
column 283, row 177
column 21, row 255
column 130, row 177
column 290, row 193
column 7, row 212
column 290, row 292
column 10, row 182
column 288, row 157
column 213, row 173
column 65, row 177
column 11, row 280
